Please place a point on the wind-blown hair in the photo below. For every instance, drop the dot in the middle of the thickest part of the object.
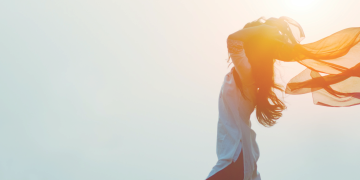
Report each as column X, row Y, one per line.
column 336, row 56
column 260, row 53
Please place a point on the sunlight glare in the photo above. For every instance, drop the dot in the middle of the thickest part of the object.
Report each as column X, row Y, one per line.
column 300, row 3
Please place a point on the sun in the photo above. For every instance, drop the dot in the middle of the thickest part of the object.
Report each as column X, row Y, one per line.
column 300, row 3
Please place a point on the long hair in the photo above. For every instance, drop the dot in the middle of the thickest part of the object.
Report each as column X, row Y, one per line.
column 260, row 53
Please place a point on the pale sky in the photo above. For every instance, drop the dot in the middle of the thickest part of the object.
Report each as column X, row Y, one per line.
column 128, row 90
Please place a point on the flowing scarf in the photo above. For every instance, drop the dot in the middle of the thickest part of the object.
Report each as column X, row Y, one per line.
column 333, row 64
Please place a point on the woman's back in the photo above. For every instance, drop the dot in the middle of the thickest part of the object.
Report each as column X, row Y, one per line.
column 234, row 127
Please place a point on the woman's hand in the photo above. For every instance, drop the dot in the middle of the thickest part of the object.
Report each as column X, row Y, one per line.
column 269, row 32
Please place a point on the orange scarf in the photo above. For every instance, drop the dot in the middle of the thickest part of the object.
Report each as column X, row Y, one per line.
column 337, row 56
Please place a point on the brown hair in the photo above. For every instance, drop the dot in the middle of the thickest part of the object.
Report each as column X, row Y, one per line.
column 260, row 53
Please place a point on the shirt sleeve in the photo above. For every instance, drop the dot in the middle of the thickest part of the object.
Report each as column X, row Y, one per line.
column 240, row 61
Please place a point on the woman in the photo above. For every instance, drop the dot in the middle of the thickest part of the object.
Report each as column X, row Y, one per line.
column 250, row 85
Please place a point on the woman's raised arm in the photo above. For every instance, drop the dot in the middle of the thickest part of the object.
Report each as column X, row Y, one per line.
column 262, row 30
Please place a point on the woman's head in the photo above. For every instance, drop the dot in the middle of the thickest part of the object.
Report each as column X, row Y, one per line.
column 261, row 54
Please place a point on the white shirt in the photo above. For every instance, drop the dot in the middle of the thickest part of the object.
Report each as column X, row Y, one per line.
column 234, row 133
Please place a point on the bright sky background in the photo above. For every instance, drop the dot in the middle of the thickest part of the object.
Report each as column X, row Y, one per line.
column 128, row 90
